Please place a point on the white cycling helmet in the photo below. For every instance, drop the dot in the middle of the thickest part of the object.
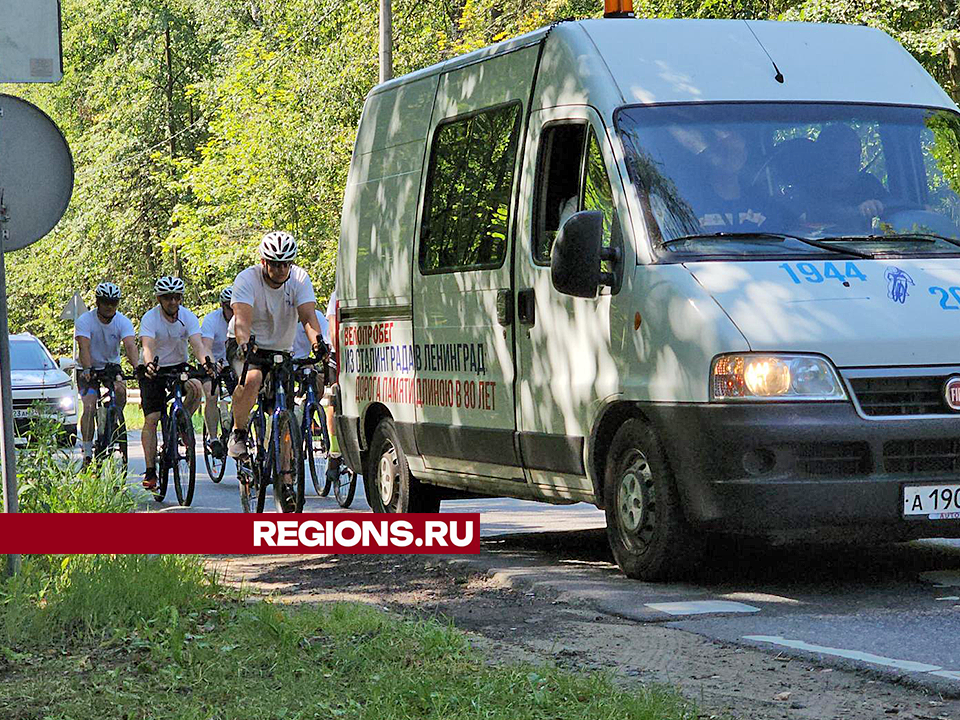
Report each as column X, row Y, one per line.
column 168, row 285
column 226, row 294
column 108, row 291
column 278, row 245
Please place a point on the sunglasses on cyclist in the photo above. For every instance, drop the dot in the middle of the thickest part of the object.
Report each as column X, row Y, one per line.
column 279, row 264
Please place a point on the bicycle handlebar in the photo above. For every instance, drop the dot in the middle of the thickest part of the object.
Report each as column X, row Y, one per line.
column 104, row 375
column 191, row 371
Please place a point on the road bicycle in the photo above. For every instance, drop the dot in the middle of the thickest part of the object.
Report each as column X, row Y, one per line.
column 313, row 429
column 316, row 443
column 178, row 452
column 217, row 462
column 110, row 440
column 274, row 455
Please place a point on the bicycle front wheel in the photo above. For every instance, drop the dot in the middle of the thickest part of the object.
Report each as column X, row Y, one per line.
column 163, row 458
column 316, row 444
column 345, row 486
column 184, row 459
column 122, row 441
column 216, row 466
column 105, row 432
column 287, row 464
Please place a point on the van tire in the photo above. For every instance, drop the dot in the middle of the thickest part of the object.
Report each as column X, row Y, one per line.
column 648, row 533
column 387, row 480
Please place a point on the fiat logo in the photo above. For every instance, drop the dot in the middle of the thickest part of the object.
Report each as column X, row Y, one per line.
column 951, row 392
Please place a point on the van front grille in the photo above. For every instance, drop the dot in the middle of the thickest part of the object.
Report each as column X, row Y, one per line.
column 893, row 396
column 836, row 459
column 939, row 455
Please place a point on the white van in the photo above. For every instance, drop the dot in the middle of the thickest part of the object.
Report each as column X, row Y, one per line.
column 702, row 274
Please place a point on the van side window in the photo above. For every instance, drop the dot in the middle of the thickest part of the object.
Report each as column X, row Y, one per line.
column 467, row 208
column 561, row 167
column 597, row 195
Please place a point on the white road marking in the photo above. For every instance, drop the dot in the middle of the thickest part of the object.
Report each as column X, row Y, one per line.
column 949, row 674
column 701, row 607
column 907, row 665
column 950, row 597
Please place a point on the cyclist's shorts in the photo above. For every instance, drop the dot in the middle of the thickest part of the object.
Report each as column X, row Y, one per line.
column 153, row 392
column 93, row 386
column 230, row 381
column 257, row 360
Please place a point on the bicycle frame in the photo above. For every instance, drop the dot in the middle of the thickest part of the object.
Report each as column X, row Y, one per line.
column 310, row 401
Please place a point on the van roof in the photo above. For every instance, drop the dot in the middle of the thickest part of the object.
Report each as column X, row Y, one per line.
column 669, row 61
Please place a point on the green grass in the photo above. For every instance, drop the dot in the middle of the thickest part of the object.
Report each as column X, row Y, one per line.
column 179, row 647
column 134, row 417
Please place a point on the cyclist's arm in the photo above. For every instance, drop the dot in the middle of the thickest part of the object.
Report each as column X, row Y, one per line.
column 199, row 349
column 307, row 312
column 86, row 359
column 130, row 348
column 207, row 343
column 242, row 320
column 149, row 349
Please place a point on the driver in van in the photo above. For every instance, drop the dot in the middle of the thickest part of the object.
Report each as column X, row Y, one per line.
column 844, row 189
column 728, row 203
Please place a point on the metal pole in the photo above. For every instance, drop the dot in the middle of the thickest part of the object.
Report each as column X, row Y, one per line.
column 386, row 40
column 9, row 469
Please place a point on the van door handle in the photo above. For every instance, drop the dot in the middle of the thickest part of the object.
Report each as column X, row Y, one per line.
column 505, row 307
column 527, row 307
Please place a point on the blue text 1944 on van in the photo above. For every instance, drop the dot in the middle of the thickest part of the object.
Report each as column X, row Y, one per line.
column 814, row 274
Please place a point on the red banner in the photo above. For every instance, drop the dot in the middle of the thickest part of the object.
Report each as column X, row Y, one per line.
column 236, row 534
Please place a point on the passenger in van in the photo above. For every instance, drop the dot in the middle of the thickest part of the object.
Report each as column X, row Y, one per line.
column 844, row 190
column 568, row 208
column 729, row 203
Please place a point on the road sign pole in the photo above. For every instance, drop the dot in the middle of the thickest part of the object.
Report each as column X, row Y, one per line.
column 9, row 461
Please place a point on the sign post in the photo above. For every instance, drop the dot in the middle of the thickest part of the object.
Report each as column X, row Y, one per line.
column 36, row 179
column 74, row 308
column 9, row 468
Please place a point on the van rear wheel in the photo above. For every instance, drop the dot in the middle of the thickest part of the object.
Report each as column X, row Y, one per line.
column 647, row 531
column 389, row 485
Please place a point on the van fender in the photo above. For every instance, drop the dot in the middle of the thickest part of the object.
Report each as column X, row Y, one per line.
column 611, row 413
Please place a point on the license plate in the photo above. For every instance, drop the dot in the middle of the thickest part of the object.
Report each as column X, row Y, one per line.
column 933, row 502
column 21, row 413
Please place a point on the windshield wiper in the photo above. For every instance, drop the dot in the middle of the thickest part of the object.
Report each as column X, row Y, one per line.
column 773, row 236
column 911, row 236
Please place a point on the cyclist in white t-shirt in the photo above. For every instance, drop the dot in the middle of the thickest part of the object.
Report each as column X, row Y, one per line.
column 165, row 332
column 268, row 301
column 213, row 334
column 100, row 333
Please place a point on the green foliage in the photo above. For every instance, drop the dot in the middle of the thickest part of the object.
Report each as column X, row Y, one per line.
column 196, row 125
column 50, row 481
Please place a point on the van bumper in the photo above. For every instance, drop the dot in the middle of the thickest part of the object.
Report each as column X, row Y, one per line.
column 806, row 469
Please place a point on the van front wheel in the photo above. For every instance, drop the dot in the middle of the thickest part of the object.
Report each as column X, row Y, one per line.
column 647, row 531
column 389, row 485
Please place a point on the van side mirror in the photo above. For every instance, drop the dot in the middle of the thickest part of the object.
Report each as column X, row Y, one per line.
column 66, row 364
column 577, row 253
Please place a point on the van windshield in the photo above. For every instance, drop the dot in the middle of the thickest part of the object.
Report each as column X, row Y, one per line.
column 768, row 179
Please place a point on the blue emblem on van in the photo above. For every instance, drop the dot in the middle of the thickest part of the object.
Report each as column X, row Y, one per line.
column 897, row 283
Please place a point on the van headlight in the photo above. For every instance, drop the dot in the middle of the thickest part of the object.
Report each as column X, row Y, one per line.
column 756, row 376
column 68, row 405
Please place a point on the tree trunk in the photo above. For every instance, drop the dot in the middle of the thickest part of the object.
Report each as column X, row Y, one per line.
column 948, row 9
column 953, row 69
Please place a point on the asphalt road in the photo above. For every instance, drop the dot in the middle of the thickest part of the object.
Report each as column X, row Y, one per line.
column 888, row 610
